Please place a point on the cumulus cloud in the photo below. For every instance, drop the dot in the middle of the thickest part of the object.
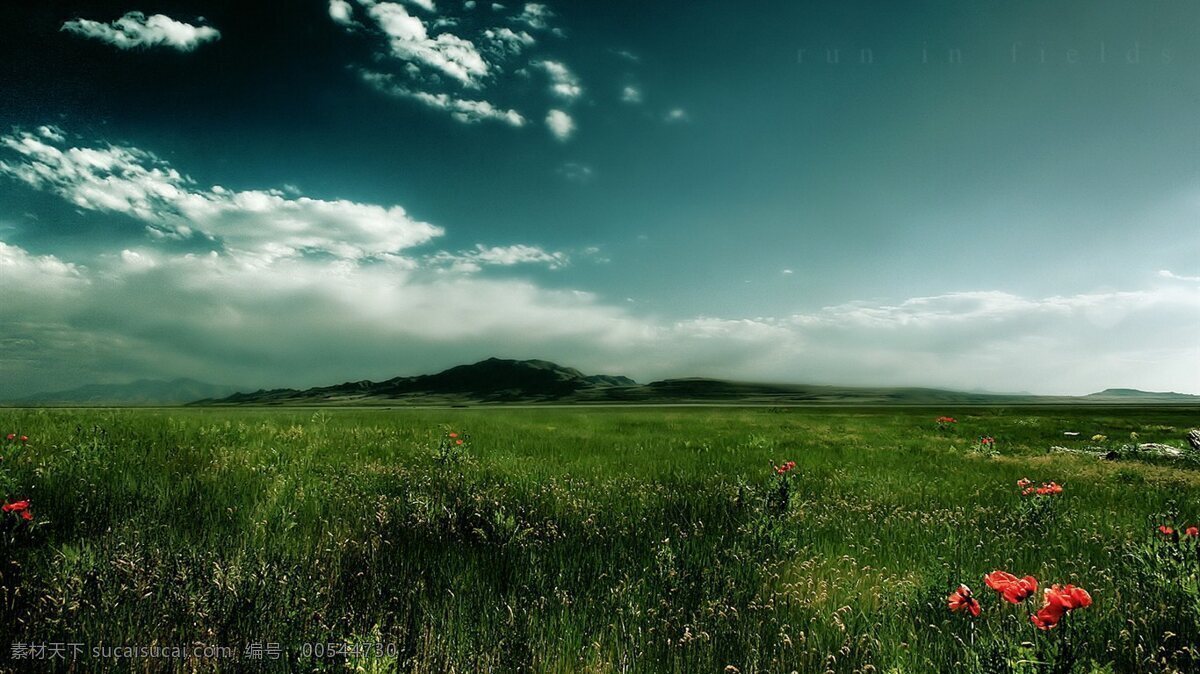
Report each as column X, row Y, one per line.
column 563, row 82
column 432, row 59
column 471, row 261
column 302, row 321
column 341, row 12
column 561, row 125
column 631, row 94
column 463, row 110
column 410, row 41
column 263, row 223
column 535, row 15
column 135, row 30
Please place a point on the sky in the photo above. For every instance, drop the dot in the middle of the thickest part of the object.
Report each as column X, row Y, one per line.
column 997, row 195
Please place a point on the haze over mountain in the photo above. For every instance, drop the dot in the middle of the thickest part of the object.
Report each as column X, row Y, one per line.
column 139, row 392
column 498, row 380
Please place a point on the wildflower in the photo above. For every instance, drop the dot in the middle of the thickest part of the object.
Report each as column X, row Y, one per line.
column 1024, row 482
column 10, row 436
column 1192, row 531
column 962, row 599
column 987, row 440
column 21, row 507
column 1099, row 438
column 1167, row 531
column 1028, row 491
column 780, row 470
column 947, row 420
column 1014, row 590
column 458, row 442
column 24, row 438
column 1049, row 488
column 1059, row 601
column 454, row 435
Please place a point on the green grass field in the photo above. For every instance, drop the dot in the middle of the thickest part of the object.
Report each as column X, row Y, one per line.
column 594, row 540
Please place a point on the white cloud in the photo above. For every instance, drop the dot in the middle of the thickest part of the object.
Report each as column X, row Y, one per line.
column 410, row 41
column 631, row 94
column 508, row 41
column 471, row 261
column 135, row 29
column 561, row 124
column 341, row 12
column 260, row 223
column 535, row 15
column 563, row 83
column 462, row 110
column 676, row 115
column 1166, row 273
column 306, row 321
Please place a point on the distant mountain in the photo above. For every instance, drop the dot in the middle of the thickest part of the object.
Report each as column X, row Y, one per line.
column 1132, row 394
column 538, row 381
column 140, row 392
column 491, row 380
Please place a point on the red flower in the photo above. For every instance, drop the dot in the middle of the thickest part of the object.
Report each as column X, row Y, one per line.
column 962, row 599
column 947, row 420
column 1049, row 488
column 10, row 436
column 787, row 466
column 986, row 440
column 1059, row 601
column 458, row 442
column 1192, row 531
column 1014, row 590
column 24, row 438
column 1024, row 482
column 1166, row 530
column 454, row 435
column 18, row 507
column 1028, row 490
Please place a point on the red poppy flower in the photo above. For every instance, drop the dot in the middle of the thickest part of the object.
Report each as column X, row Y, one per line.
column 1192, row 531
column 454, row 435
column 1166, row 530
column 1049, row 488
column 785, row 467
column 1028, row 490
column 24, row 438
column 10, row 436
column 458, row 442
column 985, row 440
column 1024, row 482
column 1047, row 617
column 1060, row 599
column 1014, row 590
column 21, row 507
column 947, row 420
column 962, row 600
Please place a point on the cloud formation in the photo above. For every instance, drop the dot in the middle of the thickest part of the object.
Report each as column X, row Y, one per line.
column 561, row 125
column 298, row 291
column 261, row 223
column 457, row 60
column 136, row 30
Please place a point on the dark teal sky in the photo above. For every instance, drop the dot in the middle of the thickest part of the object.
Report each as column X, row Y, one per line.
column 1006, row 196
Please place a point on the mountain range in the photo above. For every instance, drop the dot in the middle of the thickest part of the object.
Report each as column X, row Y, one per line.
column 500, row 381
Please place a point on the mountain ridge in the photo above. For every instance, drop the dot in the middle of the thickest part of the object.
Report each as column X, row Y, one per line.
column 497, row 380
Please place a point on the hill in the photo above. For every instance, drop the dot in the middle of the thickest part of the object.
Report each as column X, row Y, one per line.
column 139, row 392
column 538, row 381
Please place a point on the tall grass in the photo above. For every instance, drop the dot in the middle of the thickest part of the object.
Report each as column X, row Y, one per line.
column 589, row 540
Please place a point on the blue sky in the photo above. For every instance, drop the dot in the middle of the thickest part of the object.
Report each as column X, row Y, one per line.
column 969, row 194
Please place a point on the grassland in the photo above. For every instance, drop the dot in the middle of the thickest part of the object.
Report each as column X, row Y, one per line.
column 585, row 540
